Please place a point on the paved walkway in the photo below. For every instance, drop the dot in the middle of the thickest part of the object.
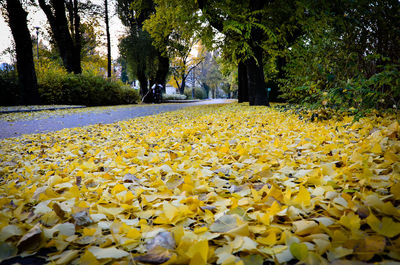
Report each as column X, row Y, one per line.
column 55, row 123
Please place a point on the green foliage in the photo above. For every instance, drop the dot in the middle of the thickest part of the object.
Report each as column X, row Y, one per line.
column 342, row 63
column 139, row 53
column 173, row 97
column 51, row 77
column 9, row 89
column 56, row 87
column 175, row 26
column 199, row 93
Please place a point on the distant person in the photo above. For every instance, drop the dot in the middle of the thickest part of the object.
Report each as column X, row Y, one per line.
column 156, row 96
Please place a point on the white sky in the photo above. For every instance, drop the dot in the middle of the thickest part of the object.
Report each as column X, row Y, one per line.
column 37, row 18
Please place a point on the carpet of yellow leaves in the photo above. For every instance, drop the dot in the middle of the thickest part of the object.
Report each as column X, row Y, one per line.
column 225, row 185
column 64, row 110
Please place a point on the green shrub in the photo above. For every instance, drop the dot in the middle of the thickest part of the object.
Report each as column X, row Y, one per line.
column 50, row 84
column 199, row 93
column 9, row 89
column 59, row 87
column 322, row 70
column 173, row 97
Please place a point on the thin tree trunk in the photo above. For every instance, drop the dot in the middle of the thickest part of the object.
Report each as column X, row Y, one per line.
column 77, row 40
column 143, row 86
column 23, row 44
column 108, row 40
column 183, row 85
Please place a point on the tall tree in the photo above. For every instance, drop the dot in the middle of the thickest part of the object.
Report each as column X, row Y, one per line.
column 146, row 63
column 17, row 20
column 182, row 65
column 243, row 19
column 140, row 56
column 65, row 30
column 254, row 31
column 108, row 39
column 176, row 29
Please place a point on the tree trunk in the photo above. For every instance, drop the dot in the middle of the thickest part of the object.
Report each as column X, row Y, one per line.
column 143, row 86
column 274, row 83
column 69, row 48
column 77, row 45
column 255, row 80
column 243, row 92
column 162, row 71
column 183, row 85
column 23, row 44
column 254, row 65
column 108, row 39
column 206, row 89
column 257, row 94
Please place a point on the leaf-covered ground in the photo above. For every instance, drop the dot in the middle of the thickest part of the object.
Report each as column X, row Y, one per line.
column 206, row 185
column 46, row 111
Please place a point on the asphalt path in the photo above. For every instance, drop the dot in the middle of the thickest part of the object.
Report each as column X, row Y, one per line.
column 56, row 123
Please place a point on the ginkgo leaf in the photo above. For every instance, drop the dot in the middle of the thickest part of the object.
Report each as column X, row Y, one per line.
column 370, row 246
column 253, row 260
column 113, row 211
column 304, row 227
column 7, row 250
column 299, row 250
column 224, row 224
column 9, row 231
column 133, row 233
column 198, row 252
column 156, row 255
column 88, row 259
column 395, row 190
column 110, row 252
column 31, row 240
column 303, row 197
column 60, row 212
column 248, row 244
column 242, row 230
column 67, row 229
column 163, row 239
column 350, row 221
column 386, row 227
column 284, row 256
column 170, row 211
column 338, row 252
column 82, row 218
column 270, row 240
column 67, row 257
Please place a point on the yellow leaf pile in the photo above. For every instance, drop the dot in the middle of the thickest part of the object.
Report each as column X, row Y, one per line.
column 224, row 185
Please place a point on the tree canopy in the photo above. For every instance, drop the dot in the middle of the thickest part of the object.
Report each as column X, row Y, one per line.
column 336, row 54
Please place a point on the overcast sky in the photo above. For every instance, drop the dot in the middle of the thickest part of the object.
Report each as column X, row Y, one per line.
column 38, row 18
